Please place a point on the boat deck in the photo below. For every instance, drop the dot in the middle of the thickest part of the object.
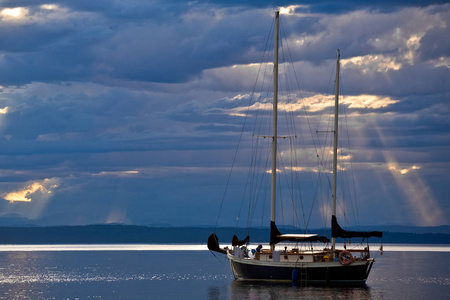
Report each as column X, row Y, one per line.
column 305, row 256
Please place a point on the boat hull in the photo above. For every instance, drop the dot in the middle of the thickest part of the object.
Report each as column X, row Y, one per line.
column 313, row 273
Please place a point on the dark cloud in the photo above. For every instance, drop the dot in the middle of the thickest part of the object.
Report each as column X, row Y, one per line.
column 423, row 79
column 174, row 44
column 435, row 44
column 29, row 38
column 118, row 102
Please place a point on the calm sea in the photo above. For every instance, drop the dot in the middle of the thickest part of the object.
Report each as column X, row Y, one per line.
column 165, row 272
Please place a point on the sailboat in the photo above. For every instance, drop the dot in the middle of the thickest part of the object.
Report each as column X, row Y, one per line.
column 324, row 265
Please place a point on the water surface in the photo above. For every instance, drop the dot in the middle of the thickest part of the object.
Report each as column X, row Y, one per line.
column 150, row 272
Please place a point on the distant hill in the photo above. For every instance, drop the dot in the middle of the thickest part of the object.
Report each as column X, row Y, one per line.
column 14, row 220
column 118, row 234
column 445, row 229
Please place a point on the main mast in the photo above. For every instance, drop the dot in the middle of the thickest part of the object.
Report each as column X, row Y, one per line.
column 274, row 126
column 274, row 121
column 335, row 145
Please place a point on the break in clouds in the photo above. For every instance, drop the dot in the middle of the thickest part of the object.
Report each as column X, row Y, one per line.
column 129, row 111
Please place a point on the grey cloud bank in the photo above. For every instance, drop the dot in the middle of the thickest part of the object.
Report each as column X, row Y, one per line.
column 121, row 111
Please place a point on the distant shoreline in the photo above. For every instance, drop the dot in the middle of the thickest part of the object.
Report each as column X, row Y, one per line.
column 132, row 234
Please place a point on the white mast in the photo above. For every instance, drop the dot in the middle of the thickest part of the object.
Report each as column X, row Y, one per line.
column 274, row 121
column 335, row 145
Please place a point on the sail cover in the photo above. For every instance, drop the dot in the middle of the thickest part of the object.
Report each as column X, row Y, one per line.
column 276, row 236
column 213, row 244
column 337, row 231
column 237, row 242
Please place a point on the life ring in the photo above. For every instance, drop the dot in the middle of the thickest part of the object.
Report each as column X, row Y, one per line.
column 345, row 258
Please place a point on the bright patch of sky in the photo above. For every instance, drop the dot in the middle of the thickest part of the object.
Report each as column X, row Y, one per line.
column 11, row 14
column 27, row 193
column 116, row 173
column 368, row 63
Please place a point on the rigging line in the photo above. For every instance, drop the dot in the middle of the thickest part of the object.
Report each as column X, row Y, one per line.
column 291, row 128
column 295, row 185
column 295, row 176
column 303, row 104
column 290, row 63
column 301, row 98
column 220, row 261
column 249, row 176
column 326, row 155
column 309, row 124
column 316, row 190
column 265, row 62
column 351, row 168
column 329, row 126
column 241, row 134
column 261, row 183
column 248, row 181
column 321, row 157
column 345, row 174
column 264, row 95
column 289, row 186
column 312, row 204
column 232, row 166
column 342, row 202
column 323, row 171
column 257, row 187
column 263, row 114
column 325, row 208
column 296, row 179
column 252, row 173
column 260, row 125
column 280, row 197
column 327, row 90
column 265, row 193
column 252, row 180
column 262, row 189
column 291, row 131
column 265, row 120
column 267, row 77
column 329, row 138
column 286, row 81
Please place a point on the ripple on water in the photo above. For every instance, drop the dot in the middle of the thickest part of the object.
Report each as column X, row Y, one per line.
column 60, row 277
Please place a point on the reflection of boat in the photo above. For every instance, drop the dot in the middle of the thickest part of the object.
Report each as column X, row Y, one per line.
column 327, row 265
column 277, row 290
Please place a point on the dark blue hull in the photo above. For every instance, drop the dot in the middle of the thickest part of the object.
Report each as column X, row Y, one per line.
column 314, row 273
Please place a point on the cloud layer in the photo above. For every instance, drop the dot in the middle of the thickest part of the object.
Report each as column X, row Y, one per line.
column 130, row 111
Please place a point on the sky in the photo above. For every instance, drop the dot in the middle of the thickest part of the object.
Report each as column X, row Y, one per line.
column 129, row 111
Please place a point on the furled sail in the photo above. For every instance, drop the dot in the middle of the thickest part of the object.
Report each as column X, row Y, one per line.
column 237, row 242
column 276, row 236
column 337, row 231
